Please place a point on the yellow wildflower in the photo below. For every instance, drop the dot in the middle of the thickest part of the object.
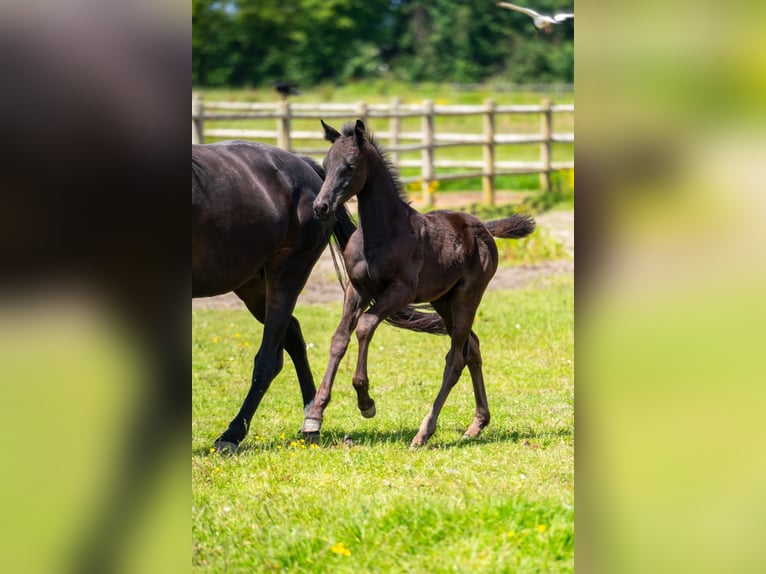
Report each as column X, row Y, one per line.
column 541, row 528
column 340, row 548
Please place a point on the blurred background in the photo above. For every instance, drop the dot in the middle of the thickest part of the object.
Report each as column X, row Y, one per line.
column 240, row 43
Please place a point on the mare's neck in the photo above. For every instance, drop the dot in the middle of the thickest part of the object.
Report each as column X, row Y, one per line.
column 381, row 210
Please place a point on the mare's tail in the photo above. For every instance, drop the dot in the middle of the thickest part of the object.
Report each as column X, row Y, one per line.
column 514, row 227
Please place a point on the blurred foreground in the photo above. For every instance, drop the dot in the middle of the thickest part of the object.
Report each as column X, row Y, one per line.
column 670, row 287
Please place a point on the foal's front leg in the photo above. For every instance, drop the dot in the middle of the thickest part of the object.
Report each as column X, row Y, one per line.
column 395, row 298
column 353, row 303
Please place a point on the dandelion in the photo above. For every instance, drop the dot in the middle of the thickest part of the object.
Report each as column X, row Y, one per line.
column 237, row 335
column 340, row 548
column 541, row 528
column 282, row 436
column 212, row 450
column 215, row 339
column 510, row 534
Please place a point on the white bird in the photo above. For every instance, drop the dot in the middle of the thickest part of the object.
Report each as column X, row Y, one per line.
column 541, row 21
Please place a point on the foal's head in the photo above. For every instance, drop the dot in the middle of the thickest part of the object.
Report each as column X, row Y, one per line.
column 345, row 166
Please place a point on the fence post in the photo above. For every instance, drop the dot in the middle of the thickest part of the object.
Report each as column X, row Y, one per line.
column 394, row 124
column 546, row 130
column 488, row 179
column 361, row 112
column 198, row 119
column 427, row 161
column 283, row 125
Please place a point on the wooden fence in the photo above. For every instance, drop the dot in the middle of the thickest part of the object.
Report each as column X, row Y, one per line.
column 427, row 139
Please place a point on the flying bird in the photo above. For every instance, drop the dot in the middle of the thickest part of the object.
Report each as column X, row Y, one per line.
column 286, row 89
column 541, row 21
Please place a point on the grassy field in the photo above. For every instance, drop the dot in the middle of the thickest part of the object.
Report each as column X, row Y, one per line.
column 415, row 94
column 502, row 503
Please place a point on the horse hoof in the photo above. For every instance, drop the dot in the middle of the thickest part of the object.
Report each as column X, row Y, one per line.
column 311, row 426
column 225, row 447
column 369, row 413
column 310, row 437
column 418, row 443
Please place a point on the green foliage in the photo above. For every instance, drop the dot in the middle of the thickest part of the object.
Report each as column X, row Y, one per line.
column 561, row 194
column 242, row 43
column 502, row 503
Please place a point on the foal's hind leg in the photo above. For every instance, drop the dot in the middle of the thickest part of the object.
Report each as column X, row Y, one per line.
column 473, row 359
column 458, row 315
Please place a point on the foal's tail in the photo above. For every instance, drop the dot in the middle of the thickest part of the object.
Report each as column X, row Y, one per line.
column 415, row 319
column 514, row 227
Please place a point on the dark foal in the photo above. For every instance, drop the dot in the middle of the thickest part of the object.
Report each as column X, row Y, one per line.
column 254, row 233
column 398, row 257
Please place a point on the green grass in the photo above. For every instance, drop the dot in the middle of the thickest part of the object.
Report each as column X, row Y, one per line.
column 502, row 503
column 377, row 92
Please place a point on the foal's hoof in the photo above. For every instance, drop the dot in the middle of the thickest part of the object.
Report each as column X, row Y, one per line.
column 225, row 447
column 418, row 442
column 311, row 426
column 310, row 437
column 369, row 413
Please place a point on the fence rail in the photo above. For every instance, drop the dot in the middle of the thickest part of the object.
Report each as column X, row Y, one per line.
column 428, row 138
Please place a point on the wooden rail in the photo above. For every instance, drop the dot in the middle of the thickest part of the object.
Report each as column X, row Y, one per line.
column 427, row 139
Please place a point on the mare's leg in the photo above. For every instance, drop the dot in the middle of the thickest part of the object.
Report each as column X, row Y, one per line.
column 280, row 303
column 395, row 298
column 473, row 359
column 295, row 345
column 460, row 315
column 353, row 303
column 254, row 296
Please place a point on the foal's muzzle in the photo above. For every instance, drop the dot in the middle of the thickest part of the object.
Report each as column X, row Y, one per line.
column 321, row 209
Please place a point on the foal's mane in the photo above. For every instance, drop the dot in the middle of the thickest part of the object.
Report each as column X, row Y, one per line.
column 393, row 173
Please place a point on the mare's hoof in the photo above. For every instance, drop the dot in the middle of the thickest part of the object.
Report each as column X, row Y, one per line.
column 225, row 447
column 369, row 413
column 311, row 426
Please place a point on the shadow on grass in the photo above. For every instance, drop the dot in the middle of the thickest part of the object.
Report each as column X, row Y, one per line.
column 335, row 438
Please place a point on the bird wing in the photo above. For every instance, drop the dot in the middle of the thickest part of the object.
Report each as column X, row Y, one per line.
column 526, row 11
column 562, row 17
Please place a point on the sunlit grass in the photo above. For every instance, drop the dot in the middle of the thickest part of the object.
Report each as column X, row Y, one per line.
column 502, row 503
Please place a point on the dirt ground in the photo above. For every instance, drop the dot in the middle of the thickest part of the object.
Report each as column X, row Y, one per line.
column 323, row 286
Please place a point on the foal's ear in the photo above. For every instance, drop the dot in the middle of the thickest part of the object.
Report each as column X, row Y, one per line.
column 359, row 132
column 330, row 133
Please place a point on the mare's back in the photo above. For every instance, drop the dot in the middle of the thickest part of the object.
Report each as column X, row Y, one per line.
column 244, row 199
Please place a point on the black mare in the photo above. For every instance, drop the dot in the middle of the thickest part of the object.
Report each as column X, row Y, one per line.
column 254, row 233
column 397, row 257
